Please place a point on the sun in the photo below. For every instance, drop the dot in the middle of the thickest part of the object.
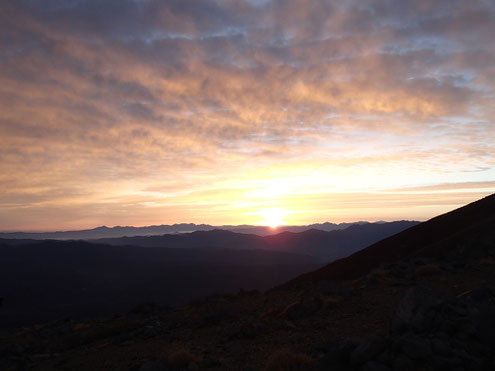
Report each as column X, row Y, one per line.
column 272, row 217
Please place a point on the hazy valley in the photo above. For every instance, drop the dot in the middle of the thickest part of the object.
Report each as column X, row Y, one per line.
column 49, row 279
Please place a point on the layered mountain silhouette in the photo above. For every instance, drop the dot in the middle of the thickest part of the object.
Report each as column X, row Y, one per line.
column 155, row 230
column 422, row 299
column 322, row 245
column 76, row 278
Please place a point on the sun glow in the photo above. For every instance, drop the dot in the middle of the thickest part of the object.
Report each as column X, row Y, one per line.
column 273, row 217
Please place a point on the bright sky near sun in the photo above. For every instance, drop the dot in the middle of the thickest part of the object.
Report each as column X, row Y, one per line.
column 230, row 112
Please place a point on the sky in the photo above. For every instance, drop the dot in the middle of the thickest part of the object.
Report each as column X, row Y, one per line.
column 144, row 112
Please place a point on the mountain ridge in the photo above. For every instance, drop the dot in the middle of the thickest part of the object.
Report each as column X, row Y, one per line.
column 438, row 237
column 153, row 230
column 324, row 245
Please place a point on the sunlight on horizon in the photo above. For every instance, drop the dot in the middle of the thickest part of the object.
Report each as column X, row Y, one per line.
column 272, row 217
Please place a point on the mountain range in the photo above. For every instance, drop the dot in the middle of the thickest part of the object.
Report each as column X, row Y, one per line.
column 323, row 245
column 155, row 230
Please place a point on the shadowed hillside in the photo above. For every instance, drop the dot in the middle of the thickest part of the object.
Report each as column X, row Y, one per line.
column 46, row 280
column 456, row 235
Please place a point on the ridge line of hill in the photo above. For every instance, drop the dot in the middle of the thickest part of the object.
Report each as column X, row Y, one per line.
column 453, row 234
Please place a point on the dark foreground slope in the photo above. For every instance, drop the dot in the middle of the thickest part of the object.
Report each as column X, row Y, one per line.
column 431, row 307
column 455, row 236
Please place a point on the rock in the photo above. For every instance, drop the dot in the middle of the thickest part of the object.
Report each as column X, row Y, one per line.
column 412, row 308
column 472, row 363
column 375, row 366
column 402, row 363
column 369, row 350
column 483, row 319
column 145, row 308
column 440, row 347
column 214, row 318
column 211, row 363
column 480, row 295
column 288, row 325
column 444, row 363
column 153, row 366
column 416, row 347
column 332, row 360
column 305, row 307
column 403, row 270
column 312, row 304
column 245, row 331
column 386, row 357
column 336, row 357
column 147, row 332
column 428, row 270
column 293, row 311
column 348, row 345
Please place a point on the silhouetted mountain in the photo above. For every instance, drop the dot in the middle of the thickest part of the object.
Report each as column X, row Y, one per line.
column 156, row 230
column 326, row 246
column 454, row 236
column 106, row 232
column 213, row 238
column 266, row 231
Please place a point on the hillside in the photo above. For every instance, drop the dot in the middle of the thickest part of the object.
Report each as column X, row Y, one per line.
column 457, row 235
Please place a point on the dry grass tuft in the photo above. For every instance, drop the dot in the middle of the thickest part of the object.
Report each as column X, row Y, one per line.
column 487, row 261
column 270, row 314
column 330, row 303
column 428, row 270
column 182, row 358
column 292, row 311
column 379, row 275
column 287, row 360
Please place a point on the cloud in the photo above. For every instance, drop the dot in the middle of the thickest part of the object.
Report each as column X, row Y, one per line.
column 98, row 95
